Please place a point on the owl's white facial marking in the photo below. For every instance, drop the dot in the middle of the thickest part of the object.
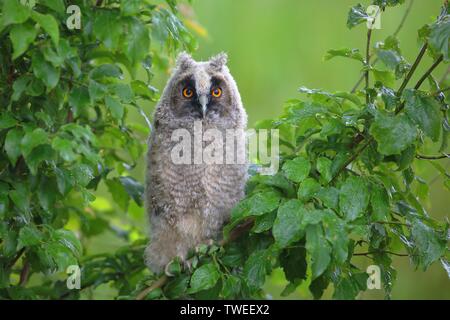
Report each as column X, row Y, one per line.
column 202, row 81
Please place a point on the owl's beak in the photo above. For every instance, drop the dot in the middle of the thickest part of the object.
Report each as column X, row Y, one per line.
column 203, row 99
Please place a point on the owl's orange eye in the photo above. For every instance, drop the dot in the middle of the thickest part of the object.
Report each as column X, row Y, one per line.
column 216, row 93
column 188, row 92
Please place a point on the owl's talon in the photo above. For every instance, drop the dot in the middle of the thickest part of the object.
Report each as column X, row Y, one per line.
column 188, row 265
column 166, row 270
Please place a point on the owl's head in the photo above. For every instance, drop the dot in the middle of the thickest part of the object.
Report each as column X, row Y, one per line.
column 202, row 90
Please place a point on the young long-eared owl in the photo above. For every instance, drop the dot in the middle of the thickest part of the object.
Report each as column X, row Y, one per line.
column 190, row 191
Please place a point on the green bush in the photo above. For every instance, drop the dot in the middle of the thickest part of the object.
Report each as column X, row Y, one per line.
column 347, row 187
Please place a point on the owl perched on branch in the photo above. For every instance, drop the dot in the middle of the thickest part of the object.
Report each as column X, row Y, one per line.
column 190, row 191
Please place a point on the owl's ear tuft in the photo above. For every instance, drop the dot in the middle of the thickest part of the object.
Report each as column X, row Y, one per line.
column 184, row 60
column 219, row 60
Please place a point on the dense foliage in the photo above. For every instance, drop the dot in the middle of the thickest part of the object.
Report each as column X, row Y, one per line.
column 347, row 187
column 64, row 99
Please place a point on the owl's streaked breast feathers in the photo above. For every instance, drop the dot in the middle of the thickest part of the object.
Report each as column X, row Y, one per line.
column 188, row 203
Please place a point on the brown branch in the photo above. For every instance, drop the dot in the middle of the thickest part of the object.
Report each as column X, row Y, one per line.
column 16, row 258
column 24, row 274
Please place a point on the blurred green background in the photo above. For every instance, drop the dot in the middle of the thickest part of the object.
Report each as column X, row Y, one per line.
column 276, row 46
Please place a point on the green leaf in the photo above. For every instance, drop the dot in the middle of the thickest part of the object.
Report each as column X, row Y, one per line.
column 204, row 278
column 48, row 23
column 79, row 100
column 107, row 70
column 387, row 78
column 47, row 193
column 348, row 288
column 136, row 40
column 356, row 15
column 297, row 169
column 345, row 52
column 353, row 197
column 115, row 107
column 308, row 189
column 69, row 240
column 32, row 139
column 12, row 144
column 429, row 244
column 14, row 12
column 231, row 287
column 37, row 156
column 176, row 287
column 329, row 197
column 390, row 58
column 336, row 234
column 425, row 112
column 318, row 248
column 82, row 174
column 7, row 120
column 118, row 193
column 439, row 36
column 264, row 222
column 263, row 202
column 293, row 262
column 22, row 35
column 379, row 201
column 393, row 133
column 130, row 7
column 64, row 148
column 19, row 86
column 255, row 268
column 45, row 71
column 324, row 167
column 287, row 225
column 29, row 236
column 107, row 27
column 134, row 189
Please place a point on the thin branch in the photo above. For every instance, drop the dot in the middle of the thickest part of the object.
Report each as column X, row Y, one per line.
column 394, row 222
column 17, row 257
column 353, row 157
column 413, row 68
column 399, row 27
column 443, row 156
column 157, row 284
column 24, row 274
column 428, row 72
column 388, row 252
column 366, row 75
